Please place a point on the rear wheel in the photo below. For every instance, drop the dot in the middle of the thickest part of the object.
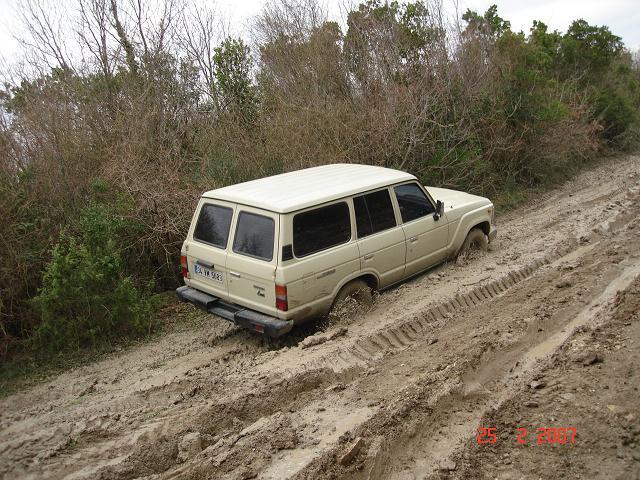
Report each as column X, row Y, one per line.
column 353, row 296
column 476, row 241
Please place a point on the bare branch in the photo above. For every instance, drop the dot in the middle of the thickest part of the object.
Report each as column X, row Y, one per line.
column 45, row 33
column 124, row 39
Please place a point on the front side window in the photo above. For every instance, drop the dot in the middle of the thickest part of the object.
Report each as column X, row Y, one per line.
column 374, row 213
column 321, row 228
column 413, row 202
column 254, row 236
column 213, row 225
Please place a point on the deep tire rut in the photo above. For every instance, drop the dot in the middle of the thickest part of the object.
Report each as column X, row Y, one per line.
column 415, row 329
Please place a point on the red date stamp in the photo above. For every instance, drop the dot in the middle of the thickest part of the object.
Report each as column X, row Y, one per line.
column 542, row 436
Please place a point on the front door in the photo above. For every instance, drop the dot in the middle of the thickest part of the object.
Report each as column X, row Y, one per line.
column 426, row 237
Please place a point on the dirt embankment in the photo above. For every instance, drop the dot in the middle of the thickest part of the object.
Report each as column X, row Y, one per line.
column 540, row 333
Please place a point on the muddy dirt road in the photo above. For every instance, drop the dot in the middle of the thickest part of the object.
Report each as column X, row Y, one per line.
column 532, row 349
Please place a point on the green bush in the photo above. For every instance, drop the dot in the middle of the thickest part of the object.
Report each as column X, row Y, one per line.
column 617, row 114
column 85, row 298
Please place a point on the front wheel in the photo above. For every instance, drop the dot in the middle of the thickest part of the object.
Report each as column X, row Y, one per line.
column 476, row 241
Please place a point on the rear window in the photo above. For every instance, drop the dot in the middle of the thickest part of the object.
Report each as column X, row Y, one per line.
column 374, row 213
column 213, row 225
column 321, row 228
column 413, row 202
column 254, row 236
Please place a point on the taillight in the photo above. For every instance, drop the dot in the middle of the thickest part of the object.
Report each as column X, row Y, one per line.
column 185, row 266
column 281, row 298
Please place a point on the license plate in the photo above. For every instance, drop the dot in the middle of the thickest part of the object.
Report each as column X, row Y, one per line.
column 208, row 273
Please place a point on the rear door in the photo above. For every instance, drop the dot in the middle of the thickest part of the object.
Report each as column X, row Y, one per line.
column 426, row 236
column 207, row 252
column 381, row 241
column 252, row 259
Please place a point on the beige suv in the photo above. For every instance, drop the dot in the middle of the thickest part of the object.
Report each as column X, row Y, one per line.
column 274, row 252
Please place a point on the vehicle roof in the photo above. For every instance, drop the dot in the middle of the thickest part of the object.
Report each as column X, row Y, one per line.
column 300, row 189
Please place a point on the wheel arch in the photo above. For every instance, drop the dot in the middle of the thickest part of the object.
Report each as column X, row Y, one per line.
column 484, row 226
column 370, row 278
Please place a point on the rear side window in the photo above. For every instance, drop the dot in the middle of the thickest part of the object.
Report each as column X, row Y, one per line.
column 413, row 202
column 322, row 228
column 374, row 213
column 254, row 236
column 213, row 225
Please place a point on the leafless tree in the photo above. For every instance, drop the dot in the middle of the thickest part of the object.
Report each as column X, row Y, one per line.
column 44, row 33
column 96, row 34
column 199, row 33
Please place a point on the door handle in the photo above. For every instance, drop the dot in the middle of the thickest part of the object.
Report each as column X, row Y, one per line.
column 205, row 264
column 413, row 239
column 234, row 274
column 368, row 256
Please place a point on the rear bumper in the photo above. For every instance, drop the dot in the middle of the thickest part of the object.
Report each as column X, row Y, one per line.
column 492, row 234
column 243, row 317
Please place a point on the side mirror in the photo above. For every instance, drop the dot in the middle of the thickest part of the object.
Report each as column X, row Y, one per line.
column 439, row 210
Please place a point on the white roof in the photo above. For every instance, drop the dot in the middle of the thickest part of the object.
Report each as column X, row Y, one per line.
column 293, row 191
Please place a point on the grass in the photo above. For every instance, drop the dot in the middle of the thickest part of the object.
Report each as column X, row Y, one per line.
column 512, row 198
column 71, row 444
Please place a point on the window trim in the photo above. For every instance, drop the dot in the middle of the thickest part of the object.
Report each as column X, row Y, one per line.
column 235, row 234
column 423, row 190
column 393, row 207
column 195, row 227
column 350, row 210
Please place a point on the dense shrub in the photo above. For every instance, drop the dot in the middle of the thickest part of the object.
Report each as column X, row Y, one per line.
column 85, row 299
column 617, row 113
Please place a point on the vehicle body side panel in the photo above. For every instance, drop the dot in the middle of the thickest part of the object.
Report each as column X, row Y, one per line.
column 464, row 225
column 426, row 243
column 464, row 211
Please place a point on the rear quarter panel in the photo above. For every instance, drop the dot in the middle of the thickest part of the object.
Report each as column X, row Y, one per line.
column 313, row 281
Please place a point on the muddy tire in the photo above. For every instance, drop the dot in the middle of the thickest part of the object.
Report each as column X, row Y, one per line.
column 356, row 292
column 476, row 240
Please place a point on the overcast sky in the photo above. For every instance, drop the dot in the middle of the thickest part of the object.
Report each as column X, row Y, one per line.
column 621, row 16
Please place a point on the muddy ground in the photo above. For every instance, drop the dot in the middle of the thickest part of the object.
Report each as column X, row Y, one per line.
column 520, row 363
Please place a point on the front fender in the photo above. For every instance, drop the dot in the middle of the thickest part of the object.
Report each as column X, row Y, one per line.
column 464, row 225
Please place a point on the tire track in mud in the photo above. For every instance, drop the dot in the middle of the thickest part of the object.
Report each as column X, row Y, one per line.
column 366, row 351
column 404, row 337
